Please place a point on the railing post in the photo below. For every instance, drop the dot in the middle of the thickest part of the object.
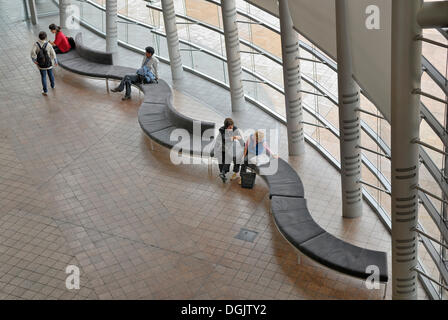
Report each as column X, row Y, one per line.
column 349, row 120
column 292, row 81
column 111, row 26
column 169, row 18
column 33, row 11
column 231, row 38
column 405, row 124
column 63, row 15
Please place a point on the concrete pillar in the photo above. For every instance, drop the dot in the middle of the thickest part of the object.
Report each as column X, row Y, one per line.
column 63, row 14
column 231, row 38
column 292, row 81
column 33, row 11
column 111, row 26
column 169, row 18
column 349, row 120
column 405, row 124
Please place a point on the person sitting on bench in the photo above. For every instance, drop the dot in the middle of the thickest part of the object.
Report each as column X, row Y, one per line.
column 148, row 73
column 254, row 147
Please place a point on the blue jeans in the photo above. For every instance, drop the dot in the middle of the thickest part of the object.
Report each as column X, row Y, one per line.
column 43, row 75
column 127, row 81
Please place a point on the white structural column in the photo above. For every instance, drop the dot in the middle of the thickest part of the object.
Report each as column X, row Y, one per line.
column 169, row 18
column 33, row 11
column 349, row 120
column 405, row 124
column 111, row 26
column 63, row 14
column 231, row 38
column 292, row 81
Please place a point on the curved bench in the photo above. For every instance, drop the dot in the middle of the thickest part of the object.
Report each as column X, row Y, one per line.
column 159, row 119
column 92, row 63
column 295, row 223
column 157, row 116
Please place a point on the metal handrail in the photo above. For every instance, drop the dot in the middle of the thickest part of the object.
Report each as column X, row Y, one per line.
column 322, row 59
column 424, row 274
column 434, row 214
column 435, row 124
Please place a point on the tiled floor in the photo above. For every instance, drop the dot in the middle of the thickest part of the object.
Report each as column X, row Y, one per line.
column 80, row 185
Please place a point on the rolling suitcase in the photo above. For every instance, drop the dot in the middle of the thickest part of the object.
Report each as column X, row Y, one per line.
column 248, row 179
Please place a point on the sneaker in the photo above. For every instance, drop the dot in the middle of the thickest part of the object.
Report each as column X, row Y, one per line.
column 234, row 176
column 44, row 93
column 126, row 98
column 223, row 177
column 114, row 90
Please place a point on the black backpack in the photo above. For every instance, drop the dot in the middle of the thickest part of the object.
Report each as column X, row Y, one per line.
column 43, row 59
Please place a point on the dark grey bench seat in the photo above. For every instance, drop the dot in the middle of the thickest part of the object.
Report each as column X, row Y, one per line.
column 163, row 137
column 295, row 223
column 77, row 64
column 93, row 63
column 163, row 92
column 159, row 119
column 285, row 182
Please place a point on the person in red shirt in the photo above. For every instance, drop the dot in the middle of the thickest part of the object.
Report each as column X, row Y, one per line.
column 60, row 44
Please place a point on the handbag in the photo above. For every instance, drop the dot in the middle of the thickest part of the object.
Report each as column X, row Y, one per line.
column 248, row 178
column 146, row 75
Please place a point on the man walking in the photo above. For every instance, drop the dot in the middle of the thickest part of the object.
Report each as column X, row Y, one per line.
column 44, row 57
column 148, row 73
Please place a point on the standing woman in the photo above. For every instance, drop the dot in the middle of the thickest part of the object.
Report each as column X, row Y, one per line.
column 60, row 44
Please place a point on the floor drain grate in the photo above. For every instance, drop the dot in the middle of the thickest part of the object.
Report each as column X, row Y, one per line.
column 246, row 235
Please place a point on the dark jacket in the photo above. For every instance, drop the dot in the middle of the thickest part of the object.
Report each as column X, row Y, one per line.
column 226, row 148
